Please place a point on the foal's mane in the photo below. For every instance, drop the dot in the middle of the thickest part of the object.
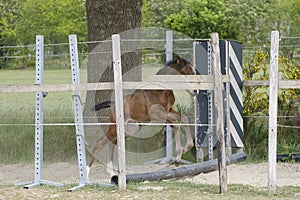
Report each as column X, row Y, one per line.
column 174, row 61
column 173, row 67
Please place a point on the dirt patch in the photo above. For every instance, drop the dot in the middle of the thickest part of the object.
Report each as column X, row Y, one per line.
column 250, row 174
column 288, row 174
column 57, row 172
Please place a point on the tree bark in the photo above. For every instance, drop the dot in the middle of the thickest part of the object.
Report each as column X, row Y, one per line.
column 105, row 18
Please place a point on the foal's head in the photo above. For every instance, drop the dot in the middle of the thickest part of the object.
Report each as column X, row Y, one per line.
column 181, row 65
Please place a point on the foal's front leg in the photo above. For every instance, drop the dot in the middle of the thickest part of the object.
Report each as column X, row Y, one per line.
column 158, row 113
column 189, row 139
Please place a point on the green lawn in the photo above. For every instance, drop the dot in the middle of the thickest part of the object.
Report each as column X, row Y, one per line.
column 17, row 145
column 154, row 191
column 17, row 116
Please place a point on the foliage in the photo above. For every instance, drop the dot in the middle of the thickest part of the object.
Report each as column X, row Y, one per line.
column 288, row 147
column 22, row 20
column 252, row 20
column 156, row 11
column 256, row 106
column 256, row 68
column 249, row 21
column 198, row 19
column 9, row 15
column 53, row 19
column 286, row 19
column 256, row 137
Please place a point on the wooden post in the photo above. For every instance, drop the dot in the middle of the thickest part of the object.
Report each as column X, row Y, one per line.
column 218, row 108
column 273, row 112
column 119, row 110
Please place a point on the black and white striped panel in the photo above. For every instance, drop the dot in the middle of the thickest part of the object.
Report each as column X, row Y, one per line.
column 236, row 94
column 231, row 55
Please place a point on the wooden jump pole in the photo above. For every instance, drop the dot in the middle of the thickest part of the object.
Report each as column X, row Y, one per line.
column 218, row 108
column 273, row 112
column 181, row 172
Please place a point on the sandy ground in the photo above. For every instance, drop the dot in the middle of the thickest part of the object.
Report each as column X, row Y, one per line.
column 288, row 174
column 248, row 174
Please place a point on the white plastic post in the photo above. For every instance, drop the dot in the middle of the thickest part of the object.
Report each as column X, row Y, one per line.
column 273, row 112
column 116, row 46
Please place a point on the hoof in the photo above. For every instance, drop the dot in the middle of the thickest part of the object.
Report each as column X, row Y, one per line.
column 110, row 168
column 87, row 172
column 177, row 163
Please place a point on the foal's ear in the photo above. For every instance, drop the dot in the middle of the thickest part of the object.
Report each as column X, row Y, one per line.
column 178, row 60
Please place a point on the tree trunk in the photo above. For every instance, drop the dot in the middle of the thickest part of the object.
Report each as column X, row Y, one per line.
column 105, row 18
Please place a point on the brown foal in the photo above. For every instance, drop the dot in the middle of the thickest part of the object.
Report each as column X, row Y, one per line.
column 149, row 106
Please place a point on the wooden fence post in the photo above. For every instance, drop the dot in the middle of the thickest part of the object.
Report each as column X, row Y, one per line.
column 273, row 112
column 218, row 109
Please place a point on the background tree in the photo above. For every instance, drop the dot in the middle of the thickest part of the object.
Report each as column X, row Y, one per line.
column 9, row 15
column 155, row 12
column 248, row 21
column 22, row 20
column 198, row 19
column 105, row 18
column 53, row 19
column 286, row 20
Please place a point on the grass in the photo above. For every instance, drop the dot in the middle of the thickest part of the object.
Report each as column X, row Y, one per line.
column 17, row 115
column 151, row 190
column 17, row 145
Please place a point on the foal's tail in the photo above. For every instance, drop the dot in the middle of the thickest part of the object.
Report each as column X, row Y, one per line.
column 104, row 104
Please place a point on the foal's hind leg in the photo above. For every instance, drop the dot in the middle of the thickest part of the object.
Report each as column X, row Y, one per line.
column 109, row 165
column 110, row 135
column 98, row 146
